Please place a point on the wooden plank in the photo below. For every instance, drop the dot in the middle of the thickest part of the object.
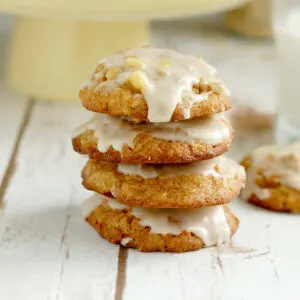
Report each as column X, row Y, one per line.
column 249, row 268
column 89, row 263
column 46, row 250
column 191, row 275
column 14, row 115
column 285, row 248
column 12, row 112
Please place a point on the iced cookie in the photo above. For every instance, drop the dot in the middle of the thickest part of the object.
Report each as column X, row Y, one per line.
column 155, row 85
column 273, row 177
column 170, row 230
column 117, row 140
column 206, row 183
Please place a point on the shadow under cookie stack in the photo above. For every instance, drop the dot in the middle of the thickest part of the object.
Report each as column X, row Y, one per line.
column 155, row 147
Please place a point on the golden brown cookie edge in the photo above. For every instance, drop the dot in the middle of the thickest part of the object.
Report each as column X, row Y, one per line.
column 122, row 102
column 115, row 225
column 150, row 150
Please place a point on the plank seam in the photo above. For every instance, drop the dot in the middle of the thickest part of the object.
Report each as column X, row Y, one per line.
column 121, row 273
column 64, row 250
column 11, row 167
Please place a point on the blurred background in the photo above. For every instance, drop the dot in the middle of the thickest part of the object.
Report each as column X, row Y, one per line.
column 48, row 48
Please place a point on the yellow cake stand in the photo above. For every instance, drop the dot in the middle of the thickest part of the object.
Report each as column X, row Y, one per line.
column 56, row 43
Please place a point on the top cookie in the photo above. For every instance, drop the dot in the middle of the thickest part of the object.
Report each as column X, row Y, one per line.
column 156, row 85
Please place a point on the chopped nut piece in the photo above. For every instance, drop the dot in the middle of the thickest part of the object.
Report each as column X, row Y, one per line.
column 100, row 76
column 196, row 91
column 113, row 73
column 99, row 68
column 138, row 79
column 172, row 220
column 217, row 168
column 162, row 72
column 216, row 88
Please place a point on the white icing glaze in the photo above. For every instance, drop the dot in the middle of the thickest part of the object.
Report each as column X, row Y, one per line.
column 94, row 201
column 143, row 170
column 208, row 223
column 109, row 131
column 125, row 241
column 167, row 79
column 117, row 132
column 90, row 204
column 211, row 130
column 282, row 163
column 218, row 167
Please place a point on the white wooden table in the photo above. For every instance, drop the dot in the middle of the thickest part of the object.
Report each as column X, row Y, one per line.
column 48, row 252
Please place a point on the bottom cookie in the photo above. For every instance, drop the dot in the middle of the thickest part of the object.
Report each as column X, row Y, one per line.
column 166, row 230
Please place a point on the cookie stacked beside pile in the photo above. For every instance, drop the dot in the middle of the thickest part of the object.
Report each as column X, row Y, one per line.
column 155, row 144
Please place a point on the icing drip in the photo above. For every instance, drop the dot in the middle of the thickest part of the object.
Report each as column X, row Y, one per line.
column 117, row 132
column 218, row 167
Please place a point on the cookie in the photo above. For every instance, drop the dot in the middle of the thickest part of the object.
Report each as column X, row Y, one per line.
column 167, row 230
column 115, row 140
column 155, row 85
column 273, row 177
column 206, row 183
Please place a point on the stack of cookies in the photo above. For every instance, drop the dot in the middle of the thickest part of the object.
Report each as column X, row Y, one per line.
column 155, row 146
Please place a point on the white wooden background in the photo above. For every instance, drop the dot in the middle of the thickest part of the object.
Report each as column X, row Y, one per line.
column 48, row 252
